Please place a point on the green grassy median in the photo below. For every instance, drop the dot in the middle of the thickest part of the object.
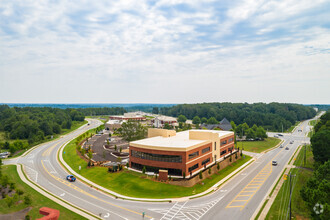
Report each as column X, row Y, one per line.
column 258, row 146
column 37, row 199
column 135, row 184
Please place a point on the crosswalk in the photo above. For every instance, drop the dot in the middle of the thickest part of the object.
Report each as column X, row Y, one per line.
column 181, row 212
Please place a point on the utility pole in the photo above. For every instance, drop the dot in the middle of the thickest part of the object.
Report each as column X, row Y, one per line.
column 290, row 175
column 305, row 156
column 282, row 127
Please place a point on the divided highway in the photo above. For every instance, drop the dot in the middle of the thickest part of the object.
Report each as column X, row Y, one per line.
column 236, row 199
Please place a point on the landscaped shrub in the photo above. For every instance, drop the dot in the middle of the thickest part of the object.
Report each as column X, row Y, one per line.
column 236, row 156
column 184, row 175
column 230, row 158
column 27, row 200
column 209, row 170
column 200, row 175
column 144, row 169
column 218, row 166
column 127, row 164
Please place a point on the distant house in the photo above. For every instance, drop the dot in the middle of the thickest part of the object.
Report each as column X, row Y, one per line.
column 224, row 125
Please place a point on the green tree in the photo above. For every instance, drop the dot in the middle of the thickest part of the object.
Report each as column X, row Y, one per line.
column 317, row 190
column 144, row 169
column 218, row 166
column 196, row 120
column 168, row 126
column 212, row 120
column 182, row 118
column 155, row 110
column 27, row 200
column 131, row 131
column 320, row 146
column 203, row 120
column 200, row 175
column 250, row 134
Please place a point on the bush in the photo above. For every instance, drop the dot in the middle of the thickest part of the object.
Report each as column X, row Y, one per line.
column 218, row 166
column 19, row 192
column 230, row 158
column 144, row 169
column 209, row 170
column 184, row 175
column 236, row 156
column 27, row 217
column 200, row 175
column 27, row 200
column 127, row 165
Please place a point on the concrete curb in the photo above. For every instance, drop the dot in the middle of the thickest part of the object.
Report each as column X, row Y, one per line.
column 117, row 195
column 49, row 195
column 269, row 204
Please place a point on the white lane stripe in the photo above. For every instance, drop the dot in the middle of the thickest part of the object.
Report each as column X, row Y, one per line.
column 86, row 201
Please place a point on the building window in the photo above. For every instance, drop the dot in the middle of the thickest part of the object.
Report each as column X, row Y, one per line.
column 205, row 161
column 193, row 155
column 215, row 145
column 223, row 142
column 230, row 140
column 223, row 152
column 157, row 157
column 193, row 167
column 206, row 150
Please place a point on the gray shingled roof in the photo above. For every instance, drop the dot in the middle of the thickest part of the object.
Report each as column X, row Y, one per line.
column 223, row 125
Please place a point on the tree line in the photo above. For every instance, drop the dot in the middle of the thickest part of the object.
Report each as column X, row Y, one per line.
column 271, row 116
column 34, row 124
column 317, row 188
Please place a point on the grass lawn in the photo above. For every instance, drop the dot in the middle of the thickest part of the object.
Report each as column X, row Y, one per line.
column 292, row 127
column 279, row 208
column 313, row 122
column 134, row 184
column 309, row 157
column 258, row 146
column 37, row 199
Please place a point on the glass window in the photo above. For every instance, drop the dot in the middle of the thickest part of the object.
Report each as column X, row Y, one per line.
column 193, row 167
column 230, row 140
column 206, row 161
column 223, row 152
column 206, row 150
column 157, row 157
column 215, row 145
column 223, row 142
column 195, row 154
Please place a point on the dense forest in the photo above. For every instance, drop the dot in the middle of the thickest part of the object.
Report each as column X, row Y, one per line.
column 271, row 116
column 35, row 123
column 317, row 188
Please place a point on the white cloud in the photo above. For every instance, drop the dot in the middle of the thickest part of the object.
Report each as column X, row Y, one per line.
column 129, row 51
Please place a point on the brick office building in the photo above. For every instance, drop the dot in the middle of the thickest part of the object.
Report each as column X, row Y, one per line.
column 186, row 151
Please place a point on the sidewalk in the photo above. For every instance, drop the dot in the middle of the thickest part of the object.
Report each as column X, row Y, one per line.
column 117, row 195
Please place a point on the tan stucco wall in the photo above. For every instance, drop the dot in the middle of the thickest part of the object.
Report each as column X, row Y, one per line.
column 154, row 132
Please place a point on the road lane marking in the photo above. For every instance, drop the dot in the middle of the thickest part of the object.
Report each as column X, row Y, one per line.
column 48, row 151
column 65, row 182
column 265, row 173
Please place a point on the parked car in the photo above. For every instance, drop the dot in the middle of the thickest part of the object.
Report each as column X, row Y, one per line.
column 291, row 142
column 286, row 148
column 274, row 163
column 280, row 135
column 281, row 146
column 71, row 178
column 275, row 136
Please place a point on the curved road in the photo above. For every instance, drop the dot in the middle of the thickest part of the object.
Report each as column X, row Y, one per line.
column 238, row 198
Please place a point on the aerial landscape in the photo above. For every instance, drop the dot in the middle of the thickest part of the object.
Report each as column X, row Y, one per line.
column 168, row 110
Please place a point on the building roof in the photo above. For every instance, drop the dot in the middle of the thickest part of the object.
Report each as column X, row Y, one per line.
column 165, row 118
column 223, row 125
column 180, row 140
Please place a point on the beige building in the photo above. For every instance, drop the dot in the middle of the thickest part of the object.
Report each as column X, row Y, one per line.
column 182, row 153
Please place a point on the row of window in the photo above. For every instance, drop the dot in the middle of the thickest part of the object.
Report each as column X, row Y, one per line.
column 195, row 154
column 205, row 161
column 223, row 152
column 157, row 157
column 194, row 167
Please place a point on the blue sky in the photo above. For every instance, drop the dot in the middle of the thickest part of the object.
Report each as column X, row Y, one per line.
column 165, row 51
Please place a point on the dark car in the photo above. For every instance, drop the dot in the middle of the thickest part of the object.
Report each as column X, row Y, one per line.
column 71, row 178
column 286, row 148
column 280, row 135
